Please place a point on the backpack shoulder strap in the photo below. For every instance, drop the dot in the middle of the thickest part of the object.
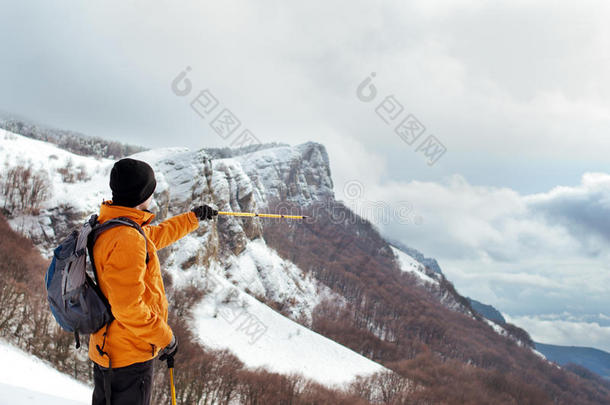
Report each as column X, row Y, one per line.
column 98, row 229
column 128, row 222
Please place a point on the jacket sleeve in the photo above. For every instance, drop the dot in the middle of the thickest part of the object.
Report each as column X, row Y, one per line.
column 123, row 285
column 170, row 230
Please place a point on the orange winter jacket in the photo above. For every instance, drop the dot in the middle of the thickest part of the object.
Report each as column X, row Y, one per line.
column 134, row 289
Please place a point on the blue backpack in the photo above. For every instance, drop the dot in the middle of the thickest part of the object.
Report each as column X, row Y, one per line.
column 73, row 293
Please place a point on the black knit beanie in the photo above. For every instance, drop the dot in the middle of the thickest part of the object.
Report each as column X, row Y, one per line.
column 132, row 182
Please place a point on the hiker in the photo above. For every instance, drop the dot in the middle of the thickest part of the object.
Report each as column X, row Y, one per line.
column 130, row 277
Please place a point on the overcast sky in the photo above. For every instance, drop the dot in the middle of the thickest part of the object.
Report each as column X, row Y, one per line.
column 518, row 92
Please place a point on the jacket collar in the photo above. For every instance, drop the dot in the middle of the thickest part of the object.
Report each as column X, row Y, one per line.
column 109, row 211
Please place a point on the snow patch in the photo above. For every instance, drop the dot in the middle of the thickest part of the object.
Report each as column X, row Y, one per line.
column 537, row 353
column 410, row 265
column 497, row 328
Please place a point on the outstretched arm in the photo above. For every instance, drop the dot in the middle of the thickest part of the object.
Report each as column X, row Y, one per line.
column 170, row 230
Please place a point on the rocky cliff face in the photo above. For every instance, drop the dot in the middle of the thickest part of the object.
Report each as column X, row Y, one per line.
column 299, row 174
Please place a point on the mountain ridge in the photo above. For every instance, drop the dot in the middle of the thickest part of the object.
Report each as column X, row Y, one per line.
column 595, row 360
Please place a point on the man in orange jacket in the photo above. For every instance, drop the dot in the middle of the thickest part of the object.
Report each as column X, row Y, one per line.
column 130, row 277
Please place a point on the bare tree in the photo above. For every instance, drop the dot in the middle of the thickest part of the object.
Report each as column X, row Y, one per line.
column 24, row 189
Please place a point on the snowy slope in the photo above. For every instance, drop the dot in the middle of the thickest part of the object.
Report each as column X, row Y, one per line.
column 261, row 338
column 260, row 270
column 24, row 379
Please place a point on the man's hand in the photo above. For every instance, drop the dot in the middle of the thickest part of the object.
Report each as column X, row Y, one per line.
column 170, row 350
column 204, row 212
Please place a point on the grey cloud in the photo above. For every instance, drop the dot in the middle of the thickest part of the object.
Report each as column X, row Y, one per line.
column 584, row 210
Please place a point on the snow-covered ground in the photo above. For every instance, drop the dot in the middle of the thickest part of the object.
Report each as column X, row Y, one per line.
column 25, row 379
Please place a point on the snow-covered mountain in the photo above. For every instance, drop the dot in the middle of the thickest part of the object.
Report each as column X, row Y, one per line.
column 230, row 251
column 289, row 298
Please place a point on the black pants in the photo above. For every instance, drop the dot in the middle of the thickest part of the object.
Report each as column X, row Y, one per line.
column 131, row 385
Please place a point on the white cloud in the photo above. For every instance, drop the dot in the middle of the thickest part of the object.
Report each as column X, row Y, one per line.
column 501, row 224
column 565, row 333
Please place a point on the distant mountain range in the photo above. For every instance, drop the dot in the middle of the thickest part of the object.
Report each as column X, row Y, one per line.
column 595, row 360
column 592, row 359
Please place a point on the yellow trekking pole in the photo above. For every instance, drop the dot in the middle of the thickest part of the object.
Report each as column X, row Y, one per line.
column 171, row 378
column 255, row 214
column 170, row 365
